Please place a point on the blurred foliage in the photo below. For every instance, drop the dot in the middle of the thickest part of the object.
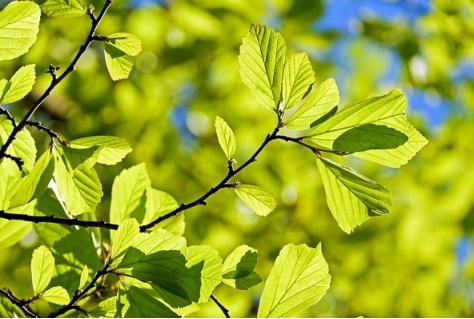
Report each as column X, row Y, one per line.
column 415, row 262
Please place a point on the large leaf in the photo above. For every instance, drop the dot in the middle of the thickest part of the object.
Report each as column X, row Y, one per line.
column 125, row 42
column 19, row 24
column 23, row 146
column 119, row 64
column 19, row 85
column 238, row 268
column 258, row 199
column 42, row 268
column 262, row 60
column 298, row 280
column 225, row 136
column 351, row 197
column 136, row 303
column 314, row 106
column 297, row 78
column 112, row 149
column 63, row 8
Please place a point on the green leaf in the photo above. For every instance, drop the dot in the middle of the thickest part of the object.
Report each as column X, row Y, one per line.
column 126, row 233
column 57, row 295
column 369, row 137
column 42, row 268
column 19, row 85
column 262, row 60
column 23, row 146
column 84, row 277
column 13, row 231
column 105, row 309
column 298, row 280
column 315, row 105
column 238, row 268
column 225, row 136
column 298, row 76
column 351, row 197
column 35, row 183
column 125, row 42
column 258, row 199
column 10, row 181
column 119, row 64
column 111, row 149
column 19, row 25
column 159, row 203
column 136, row 303
column 63, row 8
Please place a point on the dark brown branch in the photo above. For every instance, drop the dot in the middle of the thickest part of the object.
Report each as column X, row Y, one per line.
column 314, row 149
column 225, row 311
column 22, row 304
column 53, row 135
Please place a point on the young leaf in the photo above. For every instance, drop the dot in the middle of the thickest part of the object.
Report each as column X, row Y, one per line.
column 298, row 75
column 298, row 280
column 111, row 149
column 42, row 268
column 126, row 233
column 369, row 137
column 136, row 303
column 11, row 232
column 225, row 136
column 238, row 268
column 57, row 295
column 125, row 42
column 19, row 25
column 315, row 105
column 258, row 199
column 262, row 60
column 105, row 309
column 35, row 183
column 10, row 181
column 351, row 197
column 84, row 277
column 119, row 64
column 23, row 146
column 63, row 8
column 19, row 85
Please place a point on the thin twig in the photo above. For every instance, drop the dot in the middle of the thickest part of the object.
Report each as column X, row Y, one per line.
column 22, row 304
column 224, row 309
column 52, row 134
column 314, row 149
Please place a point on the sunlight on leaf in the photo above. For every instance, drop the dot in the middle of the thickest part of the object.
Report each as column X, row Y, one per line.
column 119, row 64
column 112, row 149
column 19, row 85
column 42, row 268
column 258, row 199
column 125, row 235
column 226, row 137
column 238, row 268
column 298, row 76
column 63, row 8
column 125, row 42
column 57, row 295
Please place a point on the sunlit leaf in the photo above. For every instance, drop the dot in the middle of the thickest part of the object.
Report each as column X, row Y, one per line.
column 63, row 8
column 119, row 64
column 298, row 280
column 238, row 268
column 125, row 42
column 19, row 25
column 84, row 276
column 57, row 295
column 258, row 199
column 111, row 149
column 126, row 233
column 225, row 136
column 42, row 268
column 23, row 146
column 19, row 85
column 105, row 309
column 159, row 203
column 351, row 197
column 136, row 303
column 262, row 60
column 298, row 75
column 11, row 232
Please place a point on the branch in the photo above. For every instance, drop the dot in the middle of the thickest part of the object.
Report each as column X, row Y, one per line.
column 224, row 309
column 81, row 293
column 8, row 115
column 52, row 134
column 22, row 304
column 56, row 80
column 314, row 149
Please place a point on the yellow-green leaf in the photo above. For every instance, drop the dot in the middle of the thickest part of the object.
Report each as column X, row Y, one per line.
column 42, row 268
column 63, row 8
column 226, row 137
column 125, row 42
column 298, row 76
column 57, row 295
column 257, row 198
column 19, row 85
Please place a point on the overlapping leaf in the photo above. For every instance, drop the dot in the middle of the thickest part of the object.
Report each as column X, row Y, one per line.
column 351, row 197
column 111, row 149
column 125, row 236
column 19, row 85
column 105, row 309
column 125, row 42
column 225, row 136
column 42, row 268
column 136, row 303
column 258, row 199
column 23, row 146
column 159, row 203
column 238, row 268
column 119, row 51
column 298, row 76
column 63, row 8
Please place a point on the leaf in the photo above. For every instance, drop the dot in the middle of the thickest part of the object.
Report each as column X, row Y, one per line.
column 369, row 137
column 112, row 149
column 42, row 268
column 238, row 268
column 315, row 105
column 258, row 199
column 119, row 64
column 23, row 146
column 298, row 76
column 159, row 203
column 10, row 181
column 126, row 233
column 35, row 183
column 262, row 60
column 125, row 42
column 105, row 309
column 298, row 280
column 11, row 232
column 136, row 303
column 226, row 137
column 57, row 295
column 84, row 277
column 351, row 197
column 63, row 8
column 19, row 25
column 19, row 85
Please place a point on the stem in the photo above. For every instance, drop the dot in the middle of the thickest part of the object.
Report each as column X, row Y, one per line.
column 224, row 309
column 314, row 149
column 22, row 304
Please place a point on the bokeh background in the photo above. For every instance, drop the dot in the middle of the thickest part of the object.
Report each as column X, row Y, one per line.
column 415, row 262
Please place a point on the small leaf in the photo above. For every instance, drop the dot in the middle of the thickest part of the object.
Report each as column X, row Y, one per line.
column 63, row 8
column 119, row 64
column 112, row 149
column 298, row 75
column 19, row 25
column 351, row 197
column 315, row 105
column 262, row 60
column 136, row 303
column 298, row 280
column 226, row 137
column 126, row 233
column 238, row 268
column 105, row 309
column 42, row 268
column 369, row 137
column 19, row 85
column 23, row 146
column 258, row 199
column 125, row 42
column 84, row 277
column 57, row 295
